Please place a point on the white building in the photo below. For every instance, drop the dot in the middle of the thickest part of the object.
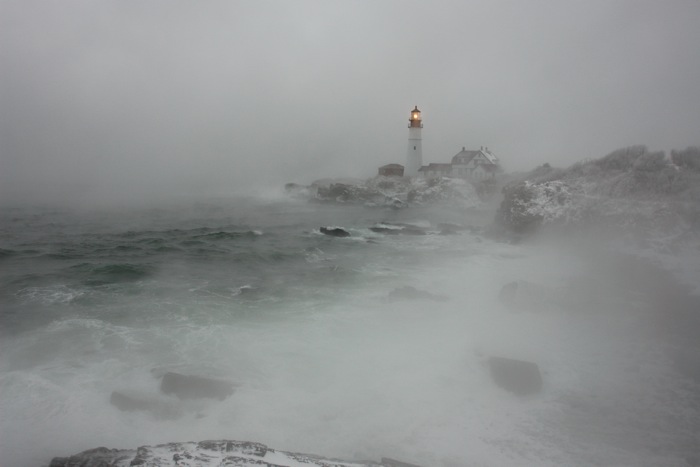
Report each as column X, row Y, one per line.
column 475, row 165
column 469, row 165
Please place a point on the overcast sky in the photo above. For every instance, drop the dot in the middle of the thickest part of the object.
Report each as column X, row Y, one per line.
column 108, row 97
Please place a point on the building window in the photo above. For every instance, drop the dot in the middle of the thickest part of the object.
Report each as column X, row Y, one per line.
column 414, row 148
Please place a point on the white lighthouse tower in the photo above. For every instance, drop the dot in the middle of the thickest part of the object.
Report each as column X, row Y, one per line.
column 414, row 156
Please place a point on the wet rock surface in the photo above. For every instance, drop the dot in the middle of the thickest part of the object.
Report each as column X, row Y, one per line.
column 334, row 232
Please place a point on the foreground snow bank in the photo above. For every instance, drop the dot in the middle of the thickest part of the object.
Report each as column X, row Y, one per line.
column 208, row 453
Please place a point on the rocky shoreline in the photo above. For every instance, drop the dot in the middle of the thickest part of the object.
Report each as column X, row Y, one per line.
column 393, row 192
column 643, row 200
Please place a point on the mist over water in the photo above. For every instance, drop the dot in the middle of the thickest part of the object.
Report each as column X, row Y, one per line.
column 325, row 362
column 132, row 112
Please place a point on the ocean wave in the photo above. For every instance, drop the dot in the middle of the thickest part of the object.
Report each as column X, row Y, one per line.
column 102, row 274
column 62, row 256
column 223, row 235
column 7, row 253
column 55, row 294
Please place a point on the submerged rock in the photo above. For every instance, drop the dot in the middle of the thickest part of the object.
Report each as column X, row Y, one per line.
column 132, row 402
column 208, row 453
column 195, row 387
column 334, row 232
column 411, row 293
column 517, row 376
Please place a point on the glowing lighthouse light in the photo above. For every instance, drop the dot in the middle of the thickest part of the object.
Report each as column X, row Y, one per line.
column 414, row 157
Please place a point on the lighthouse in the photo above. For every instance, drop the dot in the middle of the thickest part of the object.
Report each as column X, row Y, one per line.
column 414, row 156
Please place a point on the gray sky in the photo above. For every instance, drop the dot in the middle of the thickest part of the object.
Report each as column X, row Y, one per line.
column 102, row 98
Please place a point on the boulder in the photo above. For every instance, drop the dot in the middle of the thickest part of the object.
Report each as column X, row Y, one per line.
column 195, row 387
column 335, row 231
column 517, row 376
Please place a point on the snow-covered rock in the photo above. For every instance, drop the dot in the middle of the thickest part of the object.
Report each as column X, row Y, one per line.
column 630, row 192
column 395, row 192
column 528, row 205
column 206, row 453
column 442, row 190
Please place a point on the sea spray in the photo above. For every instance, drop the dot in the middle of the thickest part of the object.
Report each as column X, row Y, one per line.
column 325, row 358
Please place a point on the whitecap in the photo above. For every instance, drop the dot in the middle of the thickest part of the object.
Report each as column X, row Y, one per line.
column 55, row 294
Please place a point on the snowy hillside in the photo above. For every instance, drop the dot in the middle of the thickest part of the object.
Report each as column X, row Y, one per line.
column 643, row 201
column 630, row 188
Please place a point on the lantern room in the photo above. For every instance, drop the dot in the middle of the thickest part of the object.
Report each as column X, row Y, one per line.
column 415, row 120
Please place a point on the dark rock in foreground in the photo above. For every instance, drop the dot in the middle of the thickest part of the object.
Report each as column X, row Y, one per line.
column 334, row 232
column 195, row 387
column 208, row 453
column 519, row 377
